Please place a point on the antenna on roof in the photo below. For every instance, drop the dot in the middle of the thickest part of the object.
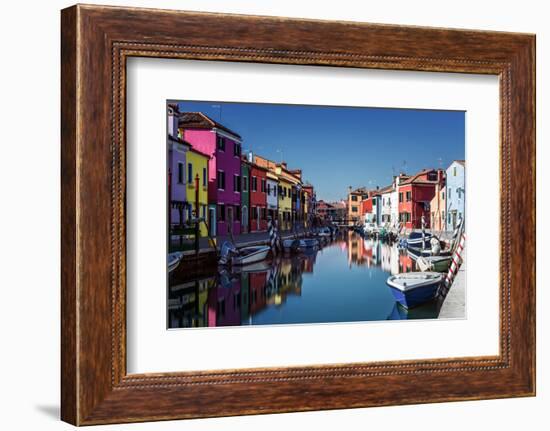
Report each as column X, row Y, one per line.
column 220, row 110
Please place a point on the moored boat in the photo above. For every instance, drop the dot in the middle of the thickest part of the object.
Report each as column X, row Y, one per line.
column 248, row 255
column 434, row 263
column 174, row 259
column 415, row 239
column 416, row 252
column 412, row 289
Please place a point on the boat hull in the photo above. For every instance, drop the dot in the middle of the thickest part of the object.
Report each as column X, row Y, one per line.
column 414, row 298
column 414, row 288
column 253, row 255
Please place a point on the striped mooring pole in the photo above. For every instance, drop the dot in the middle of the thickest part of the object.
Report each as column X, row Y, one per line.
column 272, row 236
column 456, row 261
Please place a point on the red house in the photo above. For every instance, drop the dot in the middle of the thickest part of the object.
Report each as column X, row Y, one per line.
column 258, row 198
column 415, row 194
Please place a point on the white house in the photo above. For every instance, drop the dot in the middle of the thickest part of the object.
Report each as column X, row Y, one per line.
column 386, row 203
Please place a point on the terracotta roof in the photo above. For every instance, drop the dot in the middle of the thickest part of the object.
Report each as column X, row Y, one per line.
column 178, row 140
column 416, row 178
column 198, row 120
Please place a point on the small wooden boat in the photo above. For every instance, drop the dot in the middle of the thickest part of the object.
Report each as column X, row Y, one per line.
column 416, row 252
column 174, row 259
column 411, row 289
column 248, row 255
column 434, row 263
column 415, row 239
column 309, row 242
column 291, row 245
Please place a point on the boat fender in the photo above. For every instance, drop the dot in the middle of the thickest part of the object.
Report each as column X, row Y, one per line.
column 436, row 246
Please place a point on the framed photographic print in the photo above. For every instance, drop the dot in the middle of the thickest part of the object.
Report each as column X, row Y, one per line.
column 272, row 206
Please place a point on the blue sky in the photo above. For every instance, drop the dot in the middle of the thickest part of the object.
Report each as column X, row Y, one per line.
column 337, row 147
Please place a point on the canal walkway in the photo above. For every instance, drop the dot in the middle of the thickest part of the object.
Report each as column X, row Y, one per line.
column 454, row 305
column 242, row 240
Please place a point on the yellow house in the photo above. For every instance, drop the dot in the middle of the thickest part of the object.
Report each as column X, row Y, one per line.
column 197, row 168
column 285, row 201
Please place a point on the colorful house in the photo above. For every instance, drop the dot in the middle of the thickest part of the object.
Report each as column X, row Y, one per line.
column 386, row 206
column 456, row 177
column 309, row 203
column 415, row 195
column 177, row 180
column 197, row 187
column 355, row 197
column 272, row 197
column 370, row 209
column 224, row 169
column 438, row 207
column 272, row 184
column 258, row 198
column 245, row 195
column 285, row 202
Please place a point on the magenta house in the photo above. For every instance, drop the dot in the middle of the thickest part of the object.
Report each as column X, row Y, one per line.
column 224, row 169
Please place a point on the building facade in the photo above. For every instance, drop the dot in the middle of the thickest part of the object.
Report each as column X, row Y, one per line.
column 197, row 187
column 223, row 146
column 355, row 197
column 438, row 208
column 258, row 198
column 177, row 180
column 245, row 196
column 415, row 195
column 272, row 197
column 456, row 187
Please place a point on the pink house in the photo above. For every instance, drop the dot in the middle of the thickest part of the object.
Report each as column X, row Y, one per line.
column 224, row 169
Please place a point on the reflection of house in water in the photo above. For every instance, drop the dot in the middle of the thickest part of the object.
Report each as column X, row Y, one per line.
column 406, row 264
column 257, row 283
column 224, row 302
column 187, row 303
column 363, row 251
column 389, row 258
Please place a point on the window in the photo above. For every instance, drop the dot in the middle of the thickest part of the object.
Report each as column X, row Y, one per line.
column 203, row 211
column 353, row 209
column 221, row 143
column 443, row 216
column 245, row 184
column 400, row 197
column 354, row 198
column 454, row 171
column 442, row 195
column 236, row 150
column 221, row 180
column 221, row 212
column 459, row 193
column 254, row 184
column 190, row 172
column 204, row 177
column 449, row 194
column 236, row 183
column 263, row 186
column 253, row 212
column 237, row 212
column 432, row 176
column 409, row 195
column 181, row 178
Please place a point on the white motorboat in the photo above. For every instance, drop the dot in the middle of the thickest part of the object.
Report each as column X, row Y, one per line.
column 248, row 255
column 411, row 289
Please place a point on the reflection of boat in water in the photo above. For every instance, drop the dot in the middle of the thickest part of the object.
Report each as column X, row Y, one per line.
column 261, row 266
column 414, row 288
column 425, row 311
column 300, row 245
column 174, row 259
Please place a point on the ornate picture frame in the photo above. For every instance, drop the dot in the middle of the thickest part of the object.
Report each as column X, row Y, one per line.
column 96, row 41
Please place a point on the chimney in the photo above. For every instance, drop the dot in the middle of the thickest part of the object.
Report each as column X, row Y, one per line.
column 173, row 117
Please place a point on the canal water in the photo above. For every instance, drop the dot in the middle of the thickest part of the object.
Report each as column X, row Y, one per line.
column 344, row 281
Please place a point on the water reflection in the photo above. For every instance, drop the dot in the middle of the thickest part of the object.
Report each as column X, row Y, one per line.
column 344, row 281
